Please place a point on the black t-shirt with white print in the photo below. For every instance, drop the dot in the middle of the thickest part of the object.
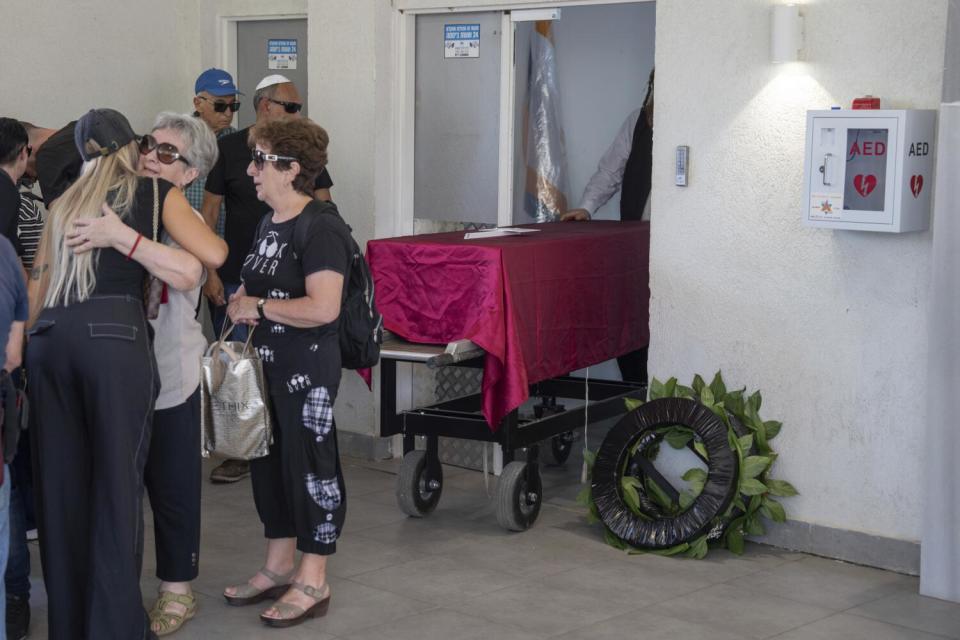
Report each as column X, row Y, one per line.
column 296, row 359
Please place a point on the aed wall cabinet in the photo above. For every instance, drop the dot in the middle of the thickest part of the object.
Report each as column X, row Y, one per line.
column 869, row 170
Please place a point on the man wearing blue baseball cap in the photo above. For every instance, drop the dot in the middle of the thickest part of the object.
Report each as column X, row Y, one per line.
column 215, row 100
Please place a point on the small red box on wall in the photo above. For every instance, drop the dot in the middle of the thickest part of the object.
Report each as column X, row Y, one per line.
column 866, row 102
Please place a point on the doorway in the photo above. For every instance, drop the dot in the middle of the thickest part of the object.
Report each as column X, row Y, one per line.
column 266, row 47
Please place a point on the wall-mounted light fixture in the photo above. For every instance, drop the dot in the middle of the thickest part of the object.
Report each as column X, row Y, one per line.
column 786, row 33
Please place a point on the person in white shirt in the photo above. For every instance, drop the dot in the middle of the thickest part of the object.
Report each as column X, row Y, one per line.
column 626, row 167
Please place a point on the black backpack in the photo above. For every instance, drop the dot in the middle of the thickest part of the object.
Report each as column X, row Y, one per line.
column 361, row 325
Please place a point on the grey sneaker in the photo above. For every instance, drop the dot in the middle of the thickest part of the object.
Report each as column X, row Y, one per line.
column 230, row 471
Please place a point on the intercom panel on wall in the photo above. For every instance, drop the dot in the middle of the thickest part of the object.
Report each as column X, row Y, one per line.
column 869, row 170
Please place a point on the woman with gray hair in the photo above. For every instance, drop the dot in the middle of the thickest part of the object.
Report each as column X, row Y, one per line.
column 179, row 149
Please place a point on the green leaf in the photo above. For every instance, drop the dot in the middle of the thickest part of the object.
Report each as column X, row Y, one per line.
column 746, row 442
column 734, row 537
column 781, row 488
column 670, row 388
column 755, row 401
column 656, row 389
column 706, row 396
column 589, row 457
column 752, row 487
column 738, row 503
column 659, row 496
column 584, row 498
column 678, row 437
column 755, row 503
column 628, row 486
column 612, row 540
column 672, row 551
column 632, row 403
column 698, row 384
column 684, row 391
column 686, row 499
column 697, row 478
column 734, row 402
column 773, row 510
column 701, row 448
column 753, row 466
column 772, row 427
column 718, row 388
column 698, row 548
column 754, row 526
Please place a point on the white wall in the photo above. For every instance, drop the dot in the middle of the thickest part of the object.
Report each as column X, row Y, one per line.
column 60, row 59
column 830, row 325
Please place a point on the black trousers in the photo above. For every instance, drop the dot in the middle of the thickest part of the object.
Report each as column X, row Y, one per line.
column 173, row 484
column 633, row 366
column 93, row 382
column 298, row 488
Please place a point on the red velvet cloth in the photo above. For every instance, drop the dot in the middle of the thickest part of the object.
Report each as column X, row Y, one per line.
column 541, row 304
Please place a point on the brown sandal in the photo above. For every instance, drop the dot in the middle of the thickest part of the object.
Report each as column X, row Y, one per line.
column 249, row 594
column 291, row 614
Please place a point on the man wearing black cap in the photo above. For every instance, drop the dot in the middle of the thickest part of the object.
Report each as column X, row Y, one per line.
column 55, row 163
column 276, row 97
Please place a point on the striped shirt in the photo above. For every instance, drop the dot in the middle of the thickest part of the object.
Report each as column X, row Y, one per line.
column 29, row 226
column 194, row 191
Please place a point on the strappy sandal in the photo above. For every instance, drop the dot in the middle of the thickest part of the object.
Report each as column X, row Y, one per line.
column 249, row 594
column 170, row 621
column 291, row 614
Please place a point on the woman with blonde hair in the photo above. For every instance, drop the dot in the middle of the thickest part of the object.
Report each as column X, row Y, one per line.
column 93, row 378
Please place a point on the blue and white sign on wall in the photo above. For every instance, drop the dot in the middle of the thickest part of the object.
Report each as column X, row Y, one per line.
column 461, row 41
column 281, row 54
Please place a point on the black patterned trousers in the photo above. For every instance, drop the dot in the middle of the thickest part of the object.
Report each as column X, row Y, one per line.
column 298, row 488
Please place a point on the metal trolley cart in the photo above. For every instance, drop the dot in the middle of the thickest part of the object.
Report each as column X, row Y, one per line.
column 520, row 490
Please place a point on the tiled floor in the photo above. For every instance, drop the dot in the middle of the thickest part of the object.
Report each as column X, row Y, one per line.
column 457, row 575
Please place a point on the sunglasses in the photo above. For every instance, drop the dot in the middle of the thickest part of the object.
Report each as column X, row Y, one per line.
column 220, row 106
column 166, row 152
column 289, row 107
column 260, row 158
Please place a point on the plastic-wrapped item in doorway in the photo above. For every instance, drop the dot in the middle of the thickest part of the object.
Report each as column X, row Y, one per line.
column 657, row 531
column 546, row 181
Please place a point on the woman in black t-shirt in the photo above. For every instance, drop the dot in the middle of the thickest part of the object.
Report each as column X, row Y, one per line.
column 92, row 378
column 293, row 285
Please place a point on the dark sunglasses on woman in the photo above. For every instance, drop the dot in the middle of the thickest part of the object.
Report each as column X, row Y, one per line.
column 220, row 106
column 289, row 107
column 166, row 152
column 260, row 158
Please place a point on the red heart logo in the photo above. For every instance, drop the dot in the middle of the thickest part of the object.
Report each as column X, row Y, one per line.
column 864, row 184
column 916, row 185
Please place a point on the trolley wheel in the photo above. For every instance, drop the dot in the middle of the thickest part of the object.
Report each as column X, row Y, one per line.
column 518, row 496
column 559, row 450
column 416, row 494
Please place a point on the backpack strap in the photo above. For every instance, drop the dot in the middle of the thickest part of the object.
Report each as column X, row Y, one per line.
column 316, row 207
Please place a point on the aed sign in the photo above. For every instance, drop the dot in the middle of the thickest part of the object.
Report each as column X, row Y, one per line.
column 869, row 170
column 461, row 40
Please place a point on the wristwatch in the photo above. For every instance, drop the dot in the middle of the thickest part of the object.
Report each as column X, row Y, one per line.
column 260, row 303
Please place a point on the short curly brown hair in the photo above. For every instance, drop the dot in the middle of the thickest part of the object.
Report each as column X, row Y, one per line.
column 302, row 139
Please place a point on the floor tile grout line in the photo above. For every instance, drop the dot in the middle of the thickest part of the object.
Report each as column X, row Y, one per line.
column 896, row 624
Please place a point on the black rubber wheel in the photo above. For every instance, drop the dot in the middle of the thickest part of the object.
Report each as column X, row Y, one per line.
column 662, row 531
column 415, row 495
column 559, row 450
column 518, row 497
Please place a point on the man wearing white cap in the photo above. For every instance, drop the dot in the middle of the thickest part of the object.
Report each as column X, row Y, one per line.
column 276, row 97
